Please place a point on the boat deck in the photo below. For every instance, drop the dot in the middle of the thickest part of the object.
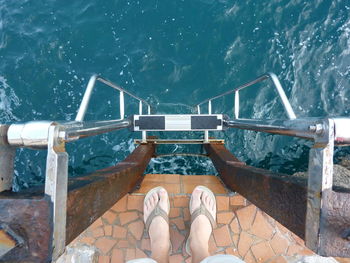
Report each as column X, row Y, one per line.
column 243, row 229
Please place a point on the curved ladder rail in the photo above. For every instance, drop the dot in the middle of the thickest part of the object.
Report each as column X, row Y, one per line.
column 277, row 84
column 90, row 87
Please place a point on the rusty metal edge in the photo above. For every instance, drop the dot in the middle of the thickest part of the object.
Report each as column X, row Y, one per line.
column 89, row 197
column 33, row 231
column 335, row 225
column 276, row 194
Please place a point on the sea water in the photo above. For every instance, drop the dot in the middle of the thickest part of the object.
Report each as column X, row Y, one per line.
column 174, row 54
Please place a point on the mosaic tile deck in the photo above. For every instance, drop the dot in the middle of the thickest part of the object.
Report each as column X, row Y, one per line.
column 243, row 230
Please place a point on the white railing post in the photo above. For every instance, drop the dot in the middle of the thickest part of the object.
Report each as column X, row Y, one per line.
column 144, row 137
column 86, row 99
column 121, row 101
column 206, row 136
column 236, row 104
column 140, row 107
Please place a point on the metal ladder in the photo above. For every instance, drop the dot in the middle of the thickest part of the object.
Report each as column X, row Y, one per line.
column 51, row 135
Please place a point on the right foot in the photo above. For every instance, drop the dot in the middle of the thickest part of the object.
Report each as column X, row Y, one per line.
column 201, row 228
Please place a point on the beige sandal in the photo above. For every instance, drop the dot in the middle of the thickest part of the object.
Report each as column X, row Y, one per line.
column 157, row 211
column 201, row 210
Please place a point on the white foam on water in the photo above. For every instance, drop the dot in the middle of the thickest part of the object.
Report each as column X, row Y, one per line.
column 181, row 165
column 3, row 37
column 126, row 146
column 8, row 101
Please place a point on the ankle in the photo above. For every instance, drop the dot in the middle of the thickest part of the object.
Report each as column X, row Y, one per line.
column 199, row 236
column 159, row 233
column 198, row 241
column 199, row 251
column 160, row 250
column 199, row 246
column 201, row 228
column 160, row 244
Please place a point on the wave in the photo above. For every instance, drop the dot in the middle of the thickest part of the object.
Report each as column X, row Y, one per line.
column 8, row 102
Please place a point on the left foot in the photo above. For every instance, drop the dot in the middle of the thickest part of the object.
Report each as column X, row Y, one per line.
column 159, row 227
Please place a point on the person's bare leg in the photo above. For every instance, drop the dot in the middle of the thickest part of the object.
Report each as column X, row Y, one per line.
column 159, row 228
column 201, row 228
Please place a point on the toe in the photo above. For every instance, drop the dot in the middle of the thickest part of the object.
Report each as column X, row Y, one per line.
column 205, row 199
column 146, row 207
column 209, row 203
column 149, row 204
column 196, row 199
column 154, row 199
column 163, row 200
column 162, row 194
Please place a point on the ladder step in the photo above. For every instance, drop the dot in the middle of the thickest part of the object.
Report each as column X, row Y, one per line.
column 180, row 122
column 179, row 141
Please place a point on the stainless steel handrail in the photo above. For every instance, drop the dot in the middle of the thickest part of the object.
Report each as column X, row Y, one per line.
column 77, row 130
column 285, row 102
column 87, row 95
column 306, row 128
column 35, row 133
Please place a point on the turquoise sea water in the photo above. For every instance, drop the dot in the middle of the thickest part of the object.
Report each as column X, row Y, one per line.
column 173, row 54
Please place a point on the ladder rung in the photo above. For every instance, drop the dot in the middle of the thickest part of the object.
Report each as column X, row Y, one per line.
column 180, row 122
column 180, row 141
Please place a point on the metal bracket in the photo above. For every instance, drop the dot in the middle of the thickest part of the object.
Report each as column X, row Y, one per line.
column 7, row 156
column 56, row 188
column 320, row 179
column 328, row 211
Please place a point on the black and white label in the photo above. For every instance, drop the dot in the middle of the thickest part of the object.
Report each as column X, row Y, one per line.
column 178, row 122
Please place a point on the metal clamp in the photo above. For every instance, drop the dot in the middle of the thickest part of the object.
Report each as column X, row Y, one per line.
column 30, row 134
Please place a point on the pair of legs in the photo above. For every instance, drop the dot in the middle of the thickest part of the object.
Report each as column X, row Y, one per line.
column 200, row 228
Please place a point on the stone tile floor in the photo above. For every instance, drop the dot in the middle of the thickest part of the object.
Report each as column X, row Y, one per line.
column 243, row 230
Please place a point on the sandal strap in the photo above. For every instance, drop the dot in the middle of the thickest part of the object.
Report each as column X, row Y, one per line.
column 157, row 211
column 202, row 210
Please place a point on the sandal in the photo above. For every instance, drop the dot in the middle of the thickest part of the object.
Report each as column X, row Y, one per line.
column 201, row 210
column 157, row 211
